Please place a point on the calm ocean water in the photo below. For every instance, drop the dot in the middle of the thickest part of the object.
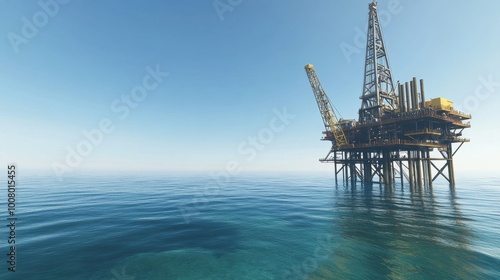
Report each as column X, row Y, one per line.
column 252, row 227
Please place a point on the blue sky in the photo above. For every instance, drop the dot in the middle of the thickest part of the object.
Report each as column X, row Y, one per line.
column 226, row 78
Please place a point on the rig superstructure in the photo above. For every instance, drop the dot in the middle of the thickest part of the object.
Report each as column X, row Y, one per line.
column 399, row 134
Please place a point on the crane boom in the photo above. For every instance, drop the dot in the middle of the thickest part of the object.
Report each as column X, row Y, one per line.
column 330, row 120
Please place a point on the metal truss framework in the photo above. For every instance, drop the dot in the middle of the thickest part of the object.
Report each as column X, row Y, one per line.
column 415, row 167
column 378, row 94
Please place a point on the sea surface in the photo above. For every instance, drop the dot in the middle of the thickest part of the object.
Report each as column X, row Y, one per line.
column 254, row 226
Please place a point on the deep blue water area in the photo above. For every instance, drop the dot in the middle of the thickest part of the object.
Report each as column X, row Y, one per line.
column 259, row 226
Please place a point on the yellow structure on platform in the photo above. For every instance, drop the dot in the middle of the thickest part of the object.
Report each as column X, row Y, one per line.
column 440, row 104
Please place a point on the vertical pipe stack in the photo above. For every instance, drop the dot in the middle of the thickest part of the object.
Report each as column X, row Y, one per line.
column 414, row 93
column 408, row 99
column 422, row 93
column 399, row 98
column 412, row 96
column 402, row 98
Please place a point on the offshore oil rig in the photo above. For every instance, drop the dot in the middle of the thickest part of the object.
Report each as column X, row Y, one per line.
column 400, row 135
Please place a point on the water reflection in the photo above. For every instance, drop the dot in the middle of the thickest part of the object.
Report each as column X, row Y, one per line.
column 400, row 233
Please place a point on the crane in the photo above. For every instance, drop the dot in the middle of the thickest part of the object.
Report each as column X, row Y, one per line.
column 330, row 120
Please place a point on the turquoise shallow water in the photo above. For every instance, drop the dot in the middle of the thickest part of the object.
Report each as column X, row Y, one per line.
column 252, row 227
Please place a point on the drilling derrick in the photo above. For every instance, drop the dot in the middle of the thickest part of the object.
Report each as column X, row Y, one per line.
column 400, row 136
column 378, row 96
